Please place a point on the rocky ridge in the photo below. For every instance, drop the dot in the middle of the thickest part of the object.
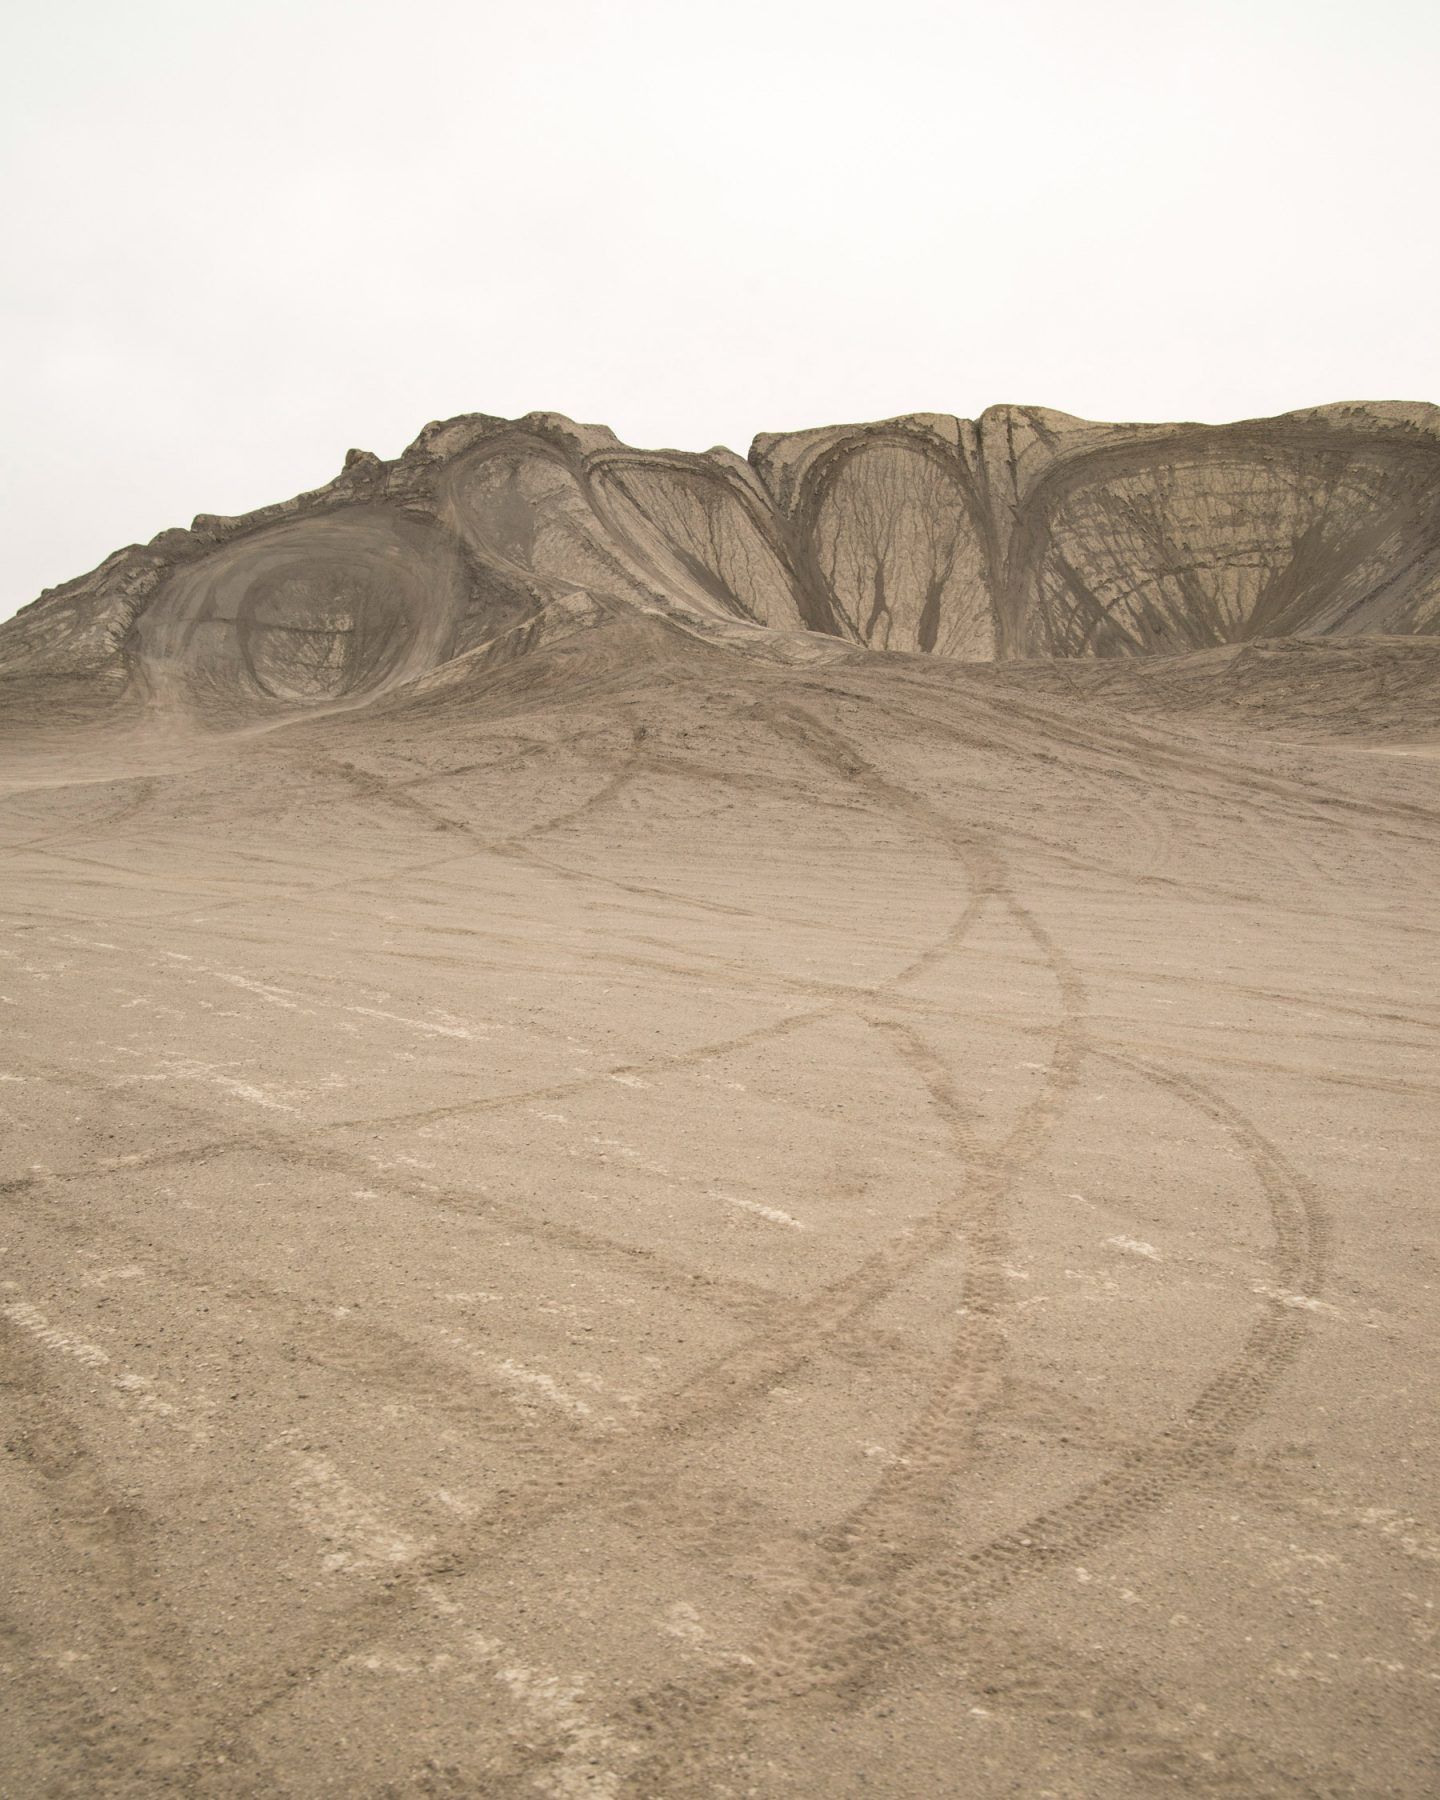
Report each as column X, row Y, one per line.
column 1024, row 534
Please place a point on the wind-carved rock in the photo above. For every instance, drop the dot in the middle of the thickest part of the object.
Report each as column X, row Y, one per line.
column 1023, row 534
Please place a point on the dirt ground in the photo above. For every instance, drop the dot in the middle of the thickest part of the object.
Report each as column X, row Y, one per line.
column 662, row 1225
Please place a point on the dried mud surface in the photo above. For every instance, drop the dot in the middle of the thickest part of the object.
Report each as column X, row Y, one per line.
column 632, row 1218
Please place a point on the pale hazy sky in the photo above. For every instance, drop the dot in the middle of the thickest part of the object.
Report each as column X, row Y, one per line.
column 241, row 238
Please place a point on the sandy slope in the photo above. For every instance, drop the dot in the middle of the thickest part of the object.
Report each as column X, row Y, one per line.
column 651, row 1223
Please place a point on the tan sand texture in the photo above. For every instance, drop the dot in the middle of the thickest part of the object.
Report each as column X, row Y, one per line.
column 608, row 1192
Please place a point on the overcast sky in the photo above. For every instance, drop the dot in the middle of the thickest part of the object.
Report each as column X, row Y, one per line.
column 241, row 238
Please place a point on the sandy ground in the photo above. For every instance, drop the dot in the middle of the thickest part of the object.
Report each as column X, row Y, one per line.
column 665, row 1226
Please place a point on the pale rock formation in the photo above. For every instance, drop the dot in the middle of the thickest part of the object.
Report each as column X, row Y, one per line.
column 1023, row 534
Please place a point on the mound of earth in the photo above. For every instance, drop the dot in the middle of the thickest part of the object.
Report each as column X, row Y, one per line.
column 1023, row 534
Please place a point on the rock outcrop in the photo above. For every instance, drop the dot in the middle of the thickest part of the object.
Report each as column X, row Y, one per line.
column 1023, row 534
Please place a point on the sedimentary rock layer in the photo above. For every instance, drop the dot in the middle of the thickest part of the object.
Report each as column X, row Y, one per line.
column 1022, row 534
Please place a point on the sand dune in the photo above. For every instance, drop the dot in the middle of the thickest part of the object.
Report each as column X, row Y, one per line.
column 608, row 1192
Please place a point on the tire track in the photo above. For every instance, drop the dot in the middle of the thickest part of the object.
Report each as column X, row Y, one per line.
column 108, row 1544
column 895, row 1526
column 368, row 1354
column 146, row 786
column 417, row 811
column 621, row 1475
column 1203, row 1434
column 1202, row 775
column 746, row 1301
column 887, row 1543
column 915, row 1593
column 847, row 1598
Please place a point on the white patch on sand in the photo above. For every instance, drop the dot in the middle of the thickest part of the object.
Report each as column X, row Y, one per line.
column 630, row 1401
column 101, row 1277
column 243, row 1090
column 584, row 1744
column 349, row 1522
column 30, row 1318
column 891, row 1458
column 1301, row 1302
column 630, row 1154
column 683, row 1621
column 457, row 1503
column 584, row 1750
column 1135, row 1247
column 772, row 1213
column 170, row 1012
column 533, row 1382
column 388, row 1663
column 530, row 1387
column 188, row 1069
column 430, row 1027
column 273, row 996
column 136, row 1393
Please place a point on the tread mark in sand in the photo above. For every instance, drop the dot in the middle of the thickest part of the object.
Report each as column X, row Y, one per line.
column 617, row 1473
column 871, row 1541
column 103, row 1541
column 145, row 788
column 417, row 810
column 840, row 1629
column 727, row 1384
column 897, row 1523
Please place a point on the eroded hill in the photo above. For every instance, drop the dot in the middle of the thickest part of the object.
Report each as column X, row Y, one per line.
column 1023, row 534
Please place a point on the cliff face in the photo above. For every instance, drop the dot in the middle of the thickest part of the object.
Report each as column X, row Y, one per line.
column 1022, row 534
